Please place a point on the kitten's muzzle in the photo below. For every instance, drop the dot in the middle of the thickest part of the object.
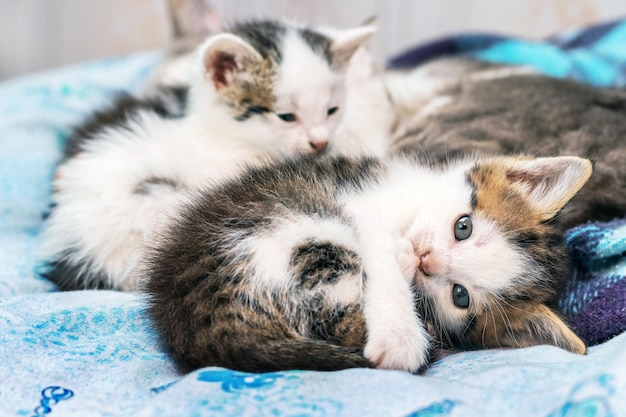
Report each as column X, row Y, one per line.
column 318, row 138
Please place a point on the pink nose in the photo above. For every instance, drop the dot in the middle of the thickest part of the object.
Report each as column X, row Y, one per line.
column 318, row 145
column 426, row 264
column 318, row 137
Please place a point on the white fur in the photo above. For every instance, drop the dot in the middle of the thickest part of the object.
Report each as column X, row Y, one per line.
column 397, row 337
column 108, row 227
column 99, row 215
column 368, row 115
column 409, row 210
column 382, row 105
column 308, row 88
column 414, row 88
column 411, row 89
column 271, row 253
column 504, row 72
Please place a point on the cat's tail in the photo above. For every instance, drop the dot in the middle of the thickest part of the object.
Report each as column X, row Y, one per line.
column 316, row 355
column 283, row 355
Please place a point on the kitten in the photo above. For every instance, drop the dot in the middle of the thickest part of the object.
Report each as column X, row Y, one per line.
column 264, row 88
column 482, row 107
column 166, row 91
column 334, row 263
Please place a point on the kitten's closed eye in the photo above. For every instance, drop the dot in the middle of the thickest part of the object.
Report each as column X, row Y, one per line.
column 291, row 117
column 287, row 117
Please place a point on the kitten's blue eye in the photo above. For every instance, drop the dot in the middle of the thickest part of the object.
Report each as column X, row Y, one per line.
column 460, row 296
column 463, row 228
column 332, row 110
column 287, row 117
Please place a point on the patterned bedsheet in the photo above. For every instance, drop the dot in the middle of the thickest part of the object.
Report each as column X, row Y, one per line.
column 91, row 353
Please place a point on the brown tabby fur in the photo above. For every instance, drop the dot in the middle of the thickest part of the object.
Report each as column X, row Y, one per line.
column 209, row 308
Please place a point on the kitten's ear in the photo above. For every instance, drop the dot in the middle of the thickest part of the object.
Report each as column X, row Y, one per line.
column 549, row 183
column 542, row 326
column 346, row 42
column 224, row 58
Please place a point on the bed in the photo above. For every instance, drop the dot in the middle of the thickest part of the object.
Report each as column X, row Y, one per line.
column 92, row 353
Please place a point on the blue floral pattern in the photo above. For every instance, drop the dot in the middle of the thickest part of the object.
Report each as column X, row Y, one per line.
column 443, row 408
column 50, row 396
column 231, row 381
column 589, row 398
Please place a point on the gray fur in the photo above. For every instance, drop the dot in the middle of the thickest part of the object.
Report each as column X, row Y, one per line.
column 540, row 116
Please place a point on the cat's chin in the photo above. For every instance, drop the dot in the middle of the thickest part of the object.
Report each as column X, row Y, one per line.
column 421, row 280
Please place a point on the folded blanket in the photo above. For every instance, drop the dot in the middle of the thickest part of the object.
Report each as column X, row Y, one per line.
column 92, row 353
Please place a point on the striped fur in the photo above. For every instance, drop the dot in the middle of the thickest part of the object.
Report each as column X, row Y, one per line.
column 335, row 263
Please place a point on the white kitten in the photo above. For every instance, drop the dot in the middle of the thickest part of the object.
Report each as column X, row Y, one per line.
column 264, row 88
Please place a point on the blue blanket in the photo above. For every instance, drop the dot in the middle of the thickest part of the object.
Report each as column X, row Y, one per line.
column 91, row 353
column 594, row 55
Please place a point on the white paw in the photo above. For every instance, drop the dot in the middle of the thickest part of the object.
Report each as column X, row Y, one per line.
column 402, row 347
column 407, row 260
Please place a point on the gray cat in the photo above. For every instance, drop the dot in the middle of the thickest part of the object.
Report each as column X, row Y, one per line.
column 478, row 107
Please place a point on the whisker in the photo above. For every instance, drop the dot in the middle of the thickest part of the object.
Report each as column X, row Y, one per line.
column 495, row 327
column 507, row 322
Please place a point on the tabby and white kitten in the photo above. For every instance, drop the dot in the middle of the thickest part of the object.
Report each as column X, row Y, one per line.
column 335, row 263
column 264, row 88
column 453, row 107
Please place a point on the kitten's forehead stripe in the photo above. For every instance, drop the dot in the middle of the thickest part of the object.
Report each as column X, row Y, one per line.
column 320, row 44
column 267, row 36
column 264, row 36
column 473, row 202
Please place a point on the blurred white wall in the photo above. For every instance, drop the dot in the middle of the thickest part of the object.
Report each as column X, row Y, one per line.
column 38, row 34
